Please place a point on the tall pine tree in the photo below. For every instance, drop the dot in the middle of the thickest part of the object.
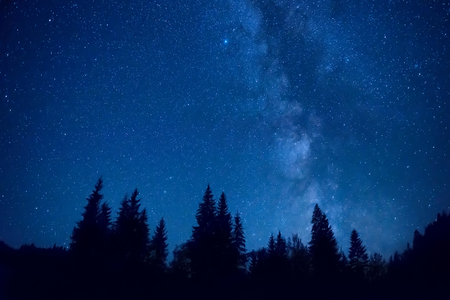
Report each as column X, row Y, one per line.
column 238, row 242
column 357, row 255
column 205, row 216
column 224, row 245
column 131, row 230
column 158, row 246
column 323, row 247
column 203, row 244
column 87, row 234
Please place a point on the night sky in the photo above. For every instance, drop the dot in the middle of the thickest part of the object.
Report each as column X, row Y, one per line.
column 280, row 104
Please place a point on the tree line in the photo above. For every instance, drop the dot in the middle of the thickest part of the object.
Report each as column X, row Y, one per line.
column 121, row 259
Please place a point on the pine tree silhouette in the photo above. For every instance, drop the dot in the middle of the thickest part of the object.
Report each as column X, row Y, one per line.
column 205, row 216
column 87, row 234
column 357, row 256
column 158, row 246
column 131, row 231
column 323, row 247
column 226, row 255
column 280, row 262
column 203, row 244
column 280, row 246
column 238, row 241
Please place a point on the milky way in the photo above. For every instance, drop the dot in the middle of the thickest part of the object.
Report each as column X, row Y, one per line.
column 281, row 104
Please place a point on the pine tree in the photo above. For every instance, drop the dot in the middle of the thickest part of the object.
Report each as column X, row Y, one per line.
column 280, row 261
column 203, row 244
column 226, row 254
column 323, row 247
column 357, row 255
column 280, row 246
column 131, row 230
column 205, row 216
column 158, row 246
column 238, row 241
column 87, row 234
column 224, row 220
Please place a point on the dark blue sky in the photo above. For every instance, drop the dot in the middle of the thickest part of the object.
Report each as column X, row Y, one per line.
column 281, row 104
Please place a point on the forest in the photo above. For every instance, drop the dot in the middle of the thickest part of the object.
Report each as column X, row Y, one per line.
column 122, row 259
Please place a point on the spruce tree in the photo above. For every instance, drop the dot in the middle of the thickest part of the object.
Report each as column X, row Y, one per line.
column 131, row 230
column 226, row 254
column 357, row 255
column 87, row 234
column 224, row 220
column 205, row 216
column 280, row 246
column 203, row 244
column 158, row 246
column 121, row 227
column 238, row 241
column 280, row 261
column 323, row 247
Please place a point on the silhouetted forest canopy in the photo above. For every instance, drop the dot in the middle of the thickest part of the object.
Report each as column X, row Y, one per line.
column 122, row 258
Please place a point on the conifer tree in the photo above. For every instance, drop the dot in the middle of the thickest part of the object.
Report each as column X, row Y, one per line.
column 357, row 255
column 203, row 244
column 87, row 234
column 226, row 254
column 238, row 241
column 224, row 220
column 279, row 260
column 280, row 246
column 205, row 216
column 323, row 247
column 158, row 246
column 131, row 230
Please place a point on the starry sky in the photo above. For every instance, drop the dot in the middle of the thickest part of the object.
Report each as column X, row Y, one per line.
column 281, row 104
